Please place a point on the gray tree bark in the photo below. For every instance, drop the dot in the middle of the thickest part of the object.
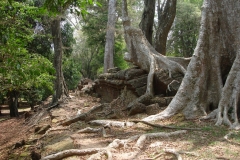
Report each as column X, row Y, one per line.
column 212, row 79
column 166, row 15
column 142, row 54
column 60, row 87
column 109, row 47
column 147, row 20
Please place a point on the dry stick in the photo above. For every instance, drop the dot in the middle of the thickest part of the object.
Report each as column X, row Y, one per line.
column 161, row 126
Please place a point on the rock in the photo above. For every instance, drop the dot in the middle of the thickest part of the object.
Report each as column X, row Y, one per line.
column 35, row 155
column 42, row 129
column 153, row 109
column 113, row 70
column 162, row 101
column 137, row 108
column 19, row 144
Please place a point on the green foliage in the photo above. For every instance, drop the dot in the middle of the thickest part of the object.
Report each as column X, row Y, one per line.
column 20, row 70
column 184, row 34
column 91, row 44
column 71, row 72
column 67, row 39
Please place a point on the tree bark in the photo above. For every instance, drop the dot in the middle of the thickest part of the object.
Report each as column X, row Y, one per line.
column 146, row 24
column 109, row 47
column 205, row 86
column 13, row 103
column 166, row 15
column 59, row 86
column 142, row 54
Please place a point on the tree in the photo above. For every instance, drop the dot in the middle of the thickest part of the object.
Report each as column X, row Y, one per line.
column 212, row 79
column 19, row 69
column 185, row 29
column 109, row 47
column 59, row 9
column 146, row 24
column 166, row 14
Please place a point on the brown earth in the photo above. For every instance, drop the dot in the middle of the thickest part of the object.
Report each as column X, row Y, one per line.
column 207, row 143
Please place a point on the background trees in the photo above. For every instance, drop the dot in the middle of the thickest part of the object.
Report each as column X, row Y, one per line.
column 21, row 69
column 21, row 45
column 184, row 32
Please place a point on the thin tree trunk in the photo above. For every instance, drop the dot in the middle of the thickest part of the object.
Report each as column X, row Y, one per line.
column 59, row 87
column 202, row 87
column 109, row 47
column 166, row 15
column 147, row 20
column 13, row 103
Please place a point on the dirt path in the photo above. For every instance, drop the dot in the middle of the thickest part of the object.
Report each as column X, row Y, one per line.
column 11, row 131
column 207, row 143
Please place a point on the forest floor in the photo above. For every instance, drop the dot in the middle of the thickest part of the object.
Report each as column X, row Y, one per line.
column 206, row 143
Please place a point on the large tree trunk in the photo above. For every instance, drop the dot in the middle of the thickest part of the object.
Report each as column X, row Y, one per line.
column 166, row 15
column 109, row 47
column 59, row 86
column 142, row 54
column 147, row 20
column 202, row 87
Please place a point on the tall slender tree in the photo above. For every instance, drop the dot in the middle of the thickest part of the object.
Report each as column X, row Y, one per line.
column 109, row 47
column 166, row 14
column 146, row 24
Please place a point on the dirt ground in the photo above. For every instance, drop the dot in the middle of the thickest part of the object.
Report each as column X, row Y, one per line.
column 206, row 143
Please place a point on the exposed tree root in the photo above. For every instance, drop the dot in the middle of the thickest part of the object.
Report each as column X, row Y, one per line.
column 90, row 130
column 211, row 115
column 141, row 140
column 111, row 123
column 173, row 151
column 53, row 106
column 82, row 152
column 101, row 130
column 72, row 152
column 144, row 137
column 226, row 137
column 161, row 126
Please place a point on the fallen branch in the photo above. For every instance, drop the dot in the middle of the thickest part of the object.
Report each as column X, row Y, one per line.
column 161, row 126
